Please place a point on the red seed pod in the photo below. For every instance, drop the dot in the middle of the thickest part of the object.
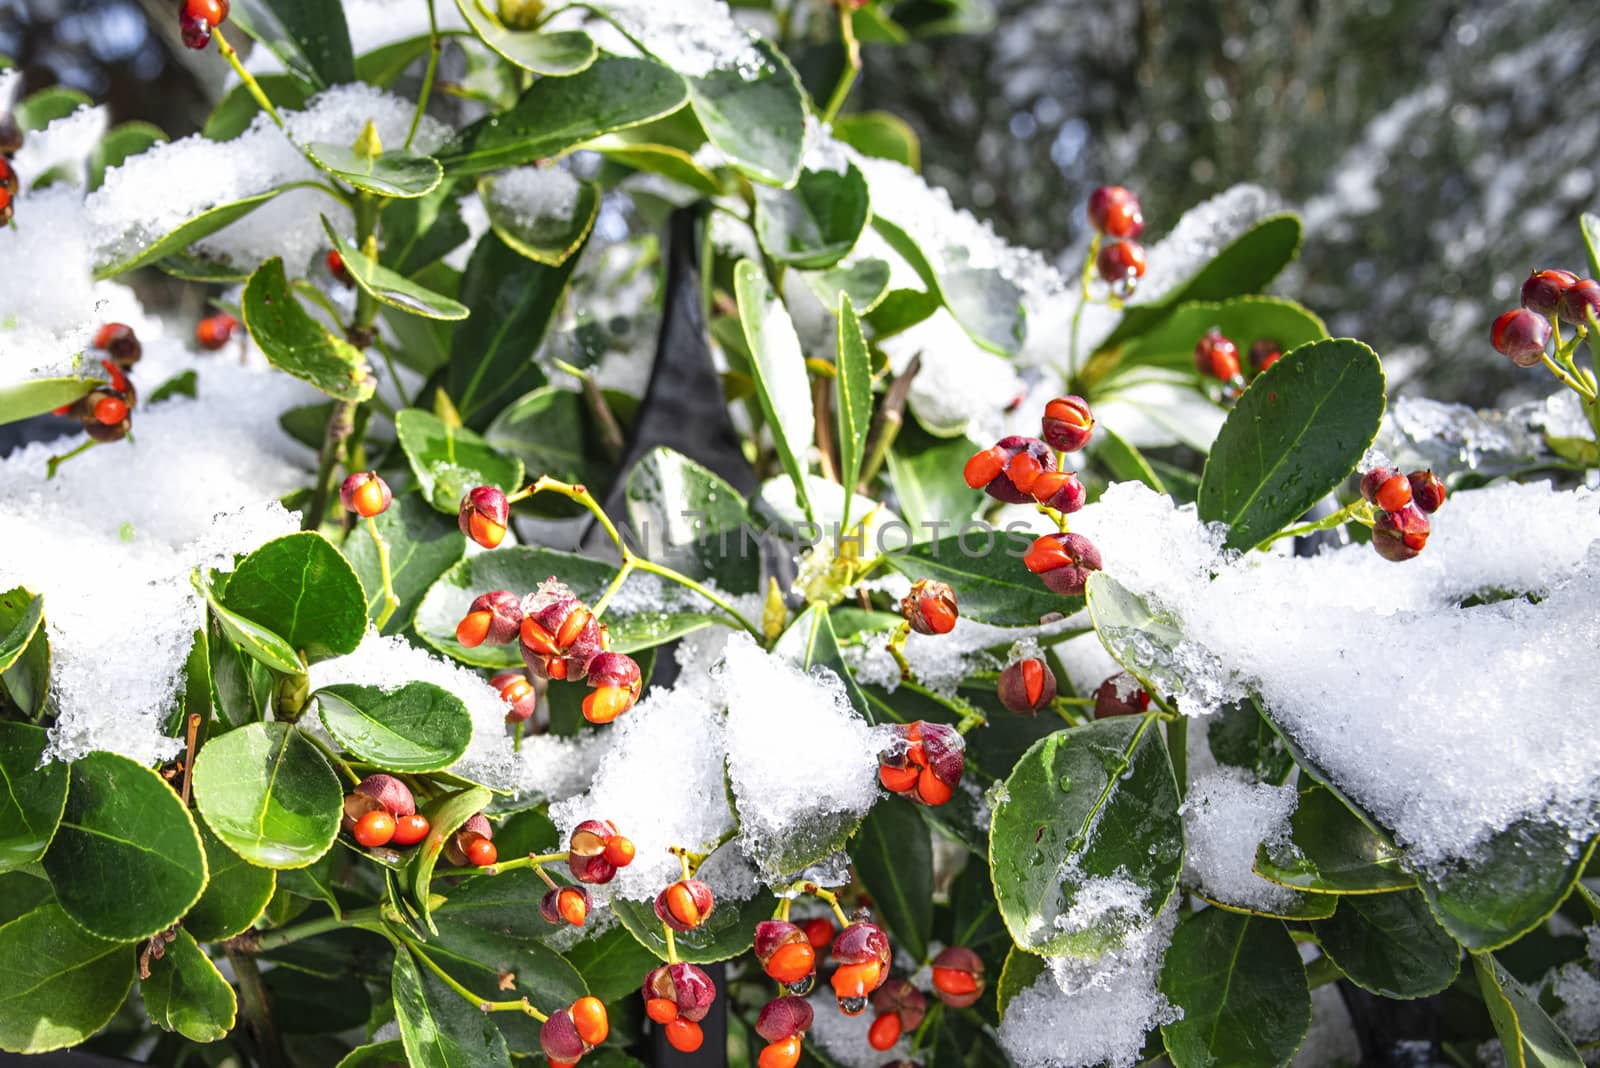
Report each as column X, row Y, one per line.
column 1121, row 264
column 773, row 935
column 215, row 331
column 958, row 977
column 900, row 998
column 1401, row 534
column 1114, row 211
column 594, row 870
column 120, row 343
column 930, row 607
column 587, row 852
column 518, row 693
column 212, row 12
column 1372, row 479
column 1060, row 490
column 1006, row 470
column 785, row 953
column 685, row 904
column 389, row 792
column 109, row 409
column 1427, row 492
column 1063, row 562
column 1067, row 424
column 784, row 1017
column 1026, row 686
column 1215, row 356
column 8, row 177
column 1120, row 695
column 1542, row 291
column 484, row 516
column 566, row 904
column 340, row 272
column 196, row 33
column 1264, row 352
column 1579, row 301
column 559, row 1038
column 1522, row 335
column 365, row 494
column 617, row 681
column 504, row 611
column 456, row 848
column 560, row 636
column 685, row 985
column 924, row 762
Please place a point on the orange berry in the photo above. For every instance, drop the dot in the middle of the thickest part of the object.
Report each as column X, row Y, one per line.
column 479, row 850
column 374, row 829
column 1023, row 470
column 856, row 981
column 939, row 613
column 931, row 790
column 884, row 1032
column 474, row 628
column 485, row 531
column 1033, row 679
column 573, row 906
column 792, row 962
column 589, row 1016
column 537, row 638
column 897, row 780
column 954, row 981
column 409, row 830
column 572, row 626
column 781, row 1054
column 681, row 903
column 606, row 703
column 619, row 851
column 109, row 411
column 684, row 1036
column 1394, row 494
column 661, row 1010
column 984, row 466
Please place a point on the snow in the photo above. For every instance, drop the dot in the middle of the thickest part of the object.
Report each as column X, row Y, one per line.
column 844, row 1038
column 1579, row 993
column 693, row 37
column 65, row 143
column 530, row 195
column 1225, row 817
column 960, row 387
column 1331, row 1042
column 48, row 311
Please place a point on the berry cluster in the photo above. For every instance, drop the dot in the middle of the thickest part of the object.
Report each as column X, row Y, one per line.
column 197, row 18
column 571, row 1032
column 105, row 410
column 1549, row 297
column 382, row 811
column 1404, row 502
column 1217, row 356
column 215, row 331
column 923, row 762
column 1114, row 213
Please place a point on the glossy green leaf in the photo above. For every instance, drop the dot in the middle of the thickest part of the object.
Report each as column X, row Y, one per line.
column 557, row 113
column 187, row 233
column 726, row 933
column 880, row 134
column 688, row 518
column 779, row 367
column 36, row 396
column 450, row 460
column 375, row 1055
column 1331, row 851
column 236, row 893
column 553, row 232
column 423, row 544
column 34, row 797
column 852, row 397
column 1516, row 879
column 489, row 927
column 986, row 303
column 892, row 855
column 1125, row 462
column 1529, row 1037
column 1589, row 225
column 308, row 35
column 21, row 615
column 295, row 342
column 27, row 681
column 984, row 568
column 1094, row 801
column 185, row 992
column 121, row 141
column 1242, row 989
column 1244, row 319
column 259, row 643
column 59, row 984
column 387, row 287
column 755, row 114
column 439, row 1028
column 126, row 861
column 446, row 813
column 384, row 65
column 1390, row 944
column 666, row 160
column 865, row 282
column 1294, row 436
column 562, row 53
column 612, row 964
column 1020, row 971
column 268, row 794
column 417, row 728
column 303, row 589
column 418, row 233
column 39, row 109
column 182, row 384
column 513, row 300
column 928, row 484
column 396, row 173
column 21, row 892
column 817, row 222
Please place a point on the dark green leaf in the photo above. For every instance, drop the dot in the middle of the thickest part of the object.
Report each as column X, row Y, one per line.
column 688, row 518
column 865, row 282
column 496, row 933
column 1331, row 851
column 1244, row 319
column 301, row 587
column 449, row 460
column 1240, row 737
column 1589, row 225
column 259, row 643
column 121, row 141
column 1390, row 944
column 295, row 342
column 27, row 681
column 1515, row 879
column 446, row 814
column 556, row 432
column 1125, row 462
column 387, row 287
column 893, row 858
column 36, row 396
column 383, row 65
column 21, row 614
column 58, row 983
column 928, row 483
column 726, row 933
column 1529, row 1037
column 417, row 233
column 1242, row 989
column 1020, row 971
column 396, row 173
column 557, row 113
column 126, row 861
column 817, row 222
column 34, row 797
column 182, row 384
column 563, row 53
column 984, row 568
column 779, row 368
column 377, row 1055
column 422, row 545
column 268, row 794
column 417, row 728
column 439, row 1028
column 309, row 1004
column 1095, row 801
column 185, row 992
column 187, row 233
column 236, row 893
column 755, row 114
column 612, row 964
column 559, row 226
column 308, row 35
column 852, row 398
column 21, row 892
column 238, row 108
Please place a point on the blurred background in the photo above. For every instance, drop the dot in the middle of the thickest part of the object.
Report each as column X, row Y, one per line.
column 1437, row 151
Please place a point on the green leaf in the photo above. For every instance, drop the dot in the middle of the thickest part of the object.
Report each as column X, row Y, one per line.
column 1515, row 879
column 985, row 570
column 666, row 160
column 238, row 107
column 387, row 287
column 1095, row 801
column 21, row 614
column 375, row 1055
column 554, row 228
column 185, row 992
column 35, row 796
column 893, row 857
column 295, row 342
column 384, row 65
column 417, row 728
column 513, row 300
column 986, row 303
column 1589, row 225
column 38, row 110
column 928, row 484
column 1390, row 944
column 755, row 114
column 126, row 861
column 1244, row 319
column 1331, row 851
column 21, row 892
column 557, row 113
column 816, row 223
column 59, row 984
column 121, row 141
column 187, row 233
column 182, row 384
column 563, row 53
column 1529, row 1037
column 27, row 681
column 810, row 643
column 852, row 398
column 523, row 567
column 1242, row 989
column 880, row 134
column 301, row 587
column 1297, row 432
column 36, row 396
column 445, row 814
column 1137, row 637
column 268, row 794
column 235, row 896
column 308, row 35
column 439, row 1028
column 396, row 173
column 688, row 518
column 555, row 432
column 487, row 928
column 449, row 461
column 1020, row 971
column 865, row 282
column 1240, row 737
column 779, row 367
column 422, row 545
column 726, row 933
column 612, row 964
column 259, row 643
column 1125, row 462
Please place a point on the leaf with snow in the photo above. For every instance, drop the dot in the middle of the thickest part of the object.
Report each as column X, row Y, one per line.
column 779, row 367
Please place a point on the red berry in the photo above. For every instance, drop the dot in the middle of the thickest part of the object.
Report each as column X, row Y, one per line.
column 120, row 343
column 819, row 932
column 1063, row 562
column 392, row 795
column 456, row 846
column 792, row 962
column 685, row 904
column 1394, row 494
column 619, row 851
column 484, row 516
column 1374, row 478
column 884, row 1032
column 1216, row 356
column 8, row 177
column 6, row 209
column 566, row 904
column 586, row 851
column 684, row 1036
column 958, row 977
column 1114, row 211
column 1264, row 352
column 479, row 850
column 1067, row 424
column 1579, row 301
column 1121, row 264
column 365, row 494
column 1026, row 686
column 1427, row 492
column 1542, row 291
column 409, row 830
column 1120, row 695
column 196, row 33
column 109, row 411
column 862, row 950
column 340, row 272
column 589, row 1017
column 212, row 12
column 996, row 470
column 1522, row 335
column 784, row 1053
column 1401, row 534
column 215, row 331
column 924, row 762
column 517, row 692
column 661, row 1010
column 374, row 829
column 930, row 607
column 984, row 467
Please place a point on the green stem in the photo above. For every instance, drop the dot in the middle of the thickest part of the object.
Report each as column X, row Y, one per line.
column 283, row 936
column 434, row 47
column 1083, row 301
column 1358, row 510
column 56, row 461
column 628, row 564
column 256, row 1011
column 532, row 860
column 711, row 595
column 852, row 69
column 672, row 945
column 1580, row 388
column 1178, row 750
column 390, row 601
column 252, row 86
